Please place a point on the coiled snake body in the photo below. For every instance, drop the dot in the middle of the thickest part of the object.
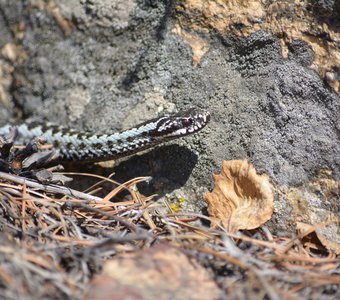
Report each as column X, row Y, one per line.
column 86, row 146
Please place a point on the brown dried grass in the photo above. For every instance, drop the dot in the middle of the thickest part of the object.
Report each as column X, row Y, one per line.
column 52, row 243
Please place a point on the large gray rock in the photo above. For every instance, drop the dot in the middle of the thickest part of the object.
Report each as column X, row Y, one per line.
column 121, row 65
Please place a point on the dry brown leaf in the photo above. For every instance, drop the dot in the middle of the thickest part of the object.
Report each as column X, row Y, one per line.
column 314, row 208
column 241, row 198
column 327, row 234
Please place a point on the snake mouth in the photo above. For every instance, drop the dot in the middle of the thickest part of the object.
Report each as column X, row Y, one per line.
column 183, row 123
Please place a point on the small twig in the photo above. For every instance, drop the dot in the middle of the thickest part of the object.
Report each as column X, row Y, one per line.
column 49, row 188
column 130, row 238
column 119, row 219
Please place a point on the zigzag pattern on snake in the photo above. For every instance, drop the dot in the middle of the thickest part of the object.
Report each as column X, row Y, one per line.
column 76, row 145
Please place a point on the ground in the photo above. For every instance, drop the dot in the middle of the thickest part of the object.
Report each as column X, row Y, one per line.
column 268, row 72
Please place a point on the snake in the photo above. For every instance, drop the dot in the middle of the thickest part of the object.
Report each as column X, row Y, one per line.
column 86, row 146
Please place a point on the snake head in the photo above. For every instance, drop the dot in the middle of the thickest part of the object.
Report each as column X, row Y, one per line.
column 181, row 124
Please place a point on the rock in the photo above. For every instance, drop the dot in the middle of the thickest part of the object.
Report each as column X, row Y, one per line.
column 95, row 66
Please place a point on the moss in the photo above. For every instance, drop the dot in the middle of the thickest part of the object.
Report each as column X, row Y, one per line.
column 177, row 204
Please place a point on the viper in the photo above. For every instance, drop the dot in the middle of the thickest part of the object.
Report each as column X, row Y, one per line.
column 74, row 145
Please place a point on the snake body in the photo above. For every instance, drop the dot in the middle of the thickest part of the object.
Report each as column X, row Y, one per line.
column 76, row 145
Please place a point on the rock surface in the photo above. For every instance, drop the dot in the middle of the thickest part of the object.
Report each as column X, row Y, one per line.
column 107, row 65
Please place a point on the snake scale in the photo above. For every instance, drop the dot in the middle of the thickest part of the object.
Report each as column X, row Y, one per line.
column 76, row 145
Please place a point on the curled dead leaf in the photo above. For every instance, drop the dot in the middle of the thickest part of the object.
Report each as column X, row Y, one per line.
column 327, row 233
column 315, row 208
column 241, row 198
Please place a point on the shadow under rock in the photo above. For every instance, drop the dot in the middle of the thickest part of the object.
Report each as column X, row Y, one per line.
column 169, row 166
